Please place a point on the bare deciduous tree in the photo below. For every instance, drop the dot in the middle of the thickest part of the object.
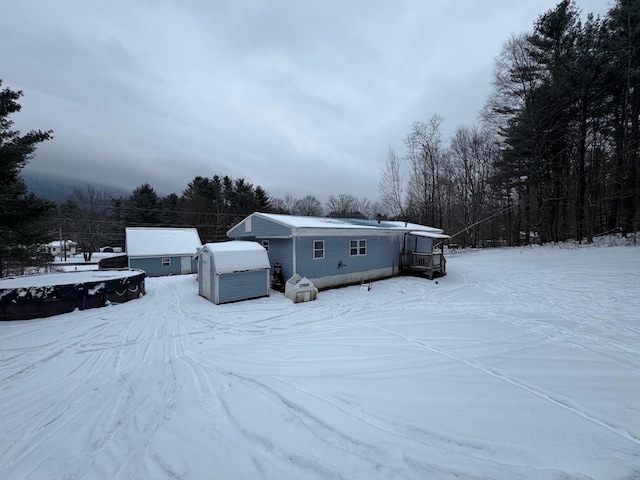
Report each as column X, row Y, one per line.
column 308, row 206
column 347, row 206
column 89, row 224
column 390, row 186
column 472, row 154
column 424, row 151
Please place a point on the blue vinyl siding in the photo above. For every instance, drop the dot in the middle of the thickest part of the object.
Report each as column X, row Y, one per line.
column 382, row 252
column 153, row 266
column 281, row 251
column 261, row 227
column 242, row 286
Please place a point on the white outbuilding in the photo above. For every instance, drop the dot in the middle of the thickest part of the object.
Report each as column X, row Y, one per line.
column 233, row 271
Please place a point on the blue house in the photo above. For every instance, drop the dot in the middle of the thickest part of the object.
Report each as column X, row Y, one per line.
column 233, row 271
column 162, row 251
column 335, row 251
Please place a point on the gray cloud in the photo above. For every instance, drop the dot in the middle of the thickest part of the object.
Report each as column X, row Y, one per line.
column 298, row 97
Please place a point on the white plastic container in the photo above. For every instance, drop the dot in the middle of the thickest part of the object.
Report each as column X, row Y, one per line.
column 300, row 289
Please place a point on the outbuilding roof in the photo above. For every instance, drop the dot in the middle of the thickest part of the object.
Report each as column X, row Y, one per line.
column 237, row 256
column 155, row 242
column 436, row 235
column 56, row 243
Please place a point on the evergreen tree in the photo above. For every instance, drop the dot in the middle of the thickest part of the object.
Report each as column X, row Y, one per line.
column 24, row 218
column 214, row 205
column 143, row 208
column 197, row 207
column 623, row 107
column 553, row 46
column 169, row 209
column 548, row 102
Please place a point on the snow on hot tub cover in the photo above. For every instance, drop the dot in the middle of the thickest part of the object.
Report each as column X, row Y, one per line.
column 67, row 285
column 238, row 256
column 66, row 278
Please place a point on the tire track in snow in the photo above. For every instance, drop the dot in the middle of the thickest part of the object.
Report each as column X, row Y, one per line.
column 435, row 439
column 308, row 418
column 565, row 404
column 590, row 342
column 45, row 352
column 323, row 431
column 320, row 429
column 141, row 401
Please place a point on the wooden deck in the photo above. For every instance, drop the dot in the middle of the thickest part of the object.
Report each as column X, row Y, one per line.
column 430, row 264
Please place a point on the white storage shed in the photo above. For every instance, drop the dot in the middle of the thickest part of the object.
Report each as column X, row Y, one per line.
column 233, row 271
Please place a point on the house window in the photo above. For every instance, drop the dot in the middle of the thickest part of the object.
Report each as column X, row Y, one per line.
column 166, row 262
column 357, row 247
column 318, row 249
column 265, row 245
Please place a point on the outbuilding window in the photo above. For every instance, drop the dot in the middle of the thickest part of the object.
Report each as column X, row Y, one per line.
column 265, row 245
column 166, row 262
column 318, row 249
column 357, row 248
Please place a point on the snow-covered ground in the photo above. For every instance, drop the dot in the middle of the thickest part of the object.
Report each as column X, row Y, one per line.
column 521, row 363
column 76, row 262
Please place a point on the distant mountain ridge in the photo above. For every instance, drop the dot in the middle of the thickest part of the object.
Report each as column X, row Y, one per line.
column 59, row 189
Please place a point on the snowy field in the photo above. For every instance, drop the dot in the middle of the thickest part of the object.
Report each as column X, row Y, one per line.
column 520, row 364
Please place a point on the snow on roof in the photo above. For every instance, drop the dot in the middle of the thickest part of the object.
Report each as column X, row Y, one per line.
column 66, row 278
column 430, row 234
column 408, row 226
column 151, row 242
column 238, row 256
column 56, row 243
column 344, row 223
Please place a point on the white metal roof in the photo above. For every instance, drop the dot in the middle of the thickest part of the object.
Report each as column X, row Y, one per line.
column 325, row 223
column 153, row 241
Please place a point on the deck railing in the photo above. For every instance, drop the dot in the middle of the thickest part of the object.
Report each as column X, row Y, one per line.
column 431, row 263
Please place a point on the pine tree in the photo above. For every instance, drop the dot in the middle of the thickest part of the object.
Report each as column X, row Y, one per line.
column 623, row 95
column 143, row 208
column 24, row 218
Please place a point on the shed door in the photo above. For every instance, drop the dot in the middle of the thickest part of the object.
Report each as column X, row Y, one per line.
column 205, row 276
column 185, row 265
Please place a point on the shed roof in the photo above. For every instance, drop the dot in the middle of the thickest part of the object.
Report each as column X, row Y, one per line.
column 436, row 235
column 154, row 242
column 238, row 256
column 326, row 223
column 56, row 243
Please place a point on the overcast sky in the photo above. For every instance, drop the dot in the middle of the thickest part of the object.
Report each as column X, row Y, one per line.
column 299, row 96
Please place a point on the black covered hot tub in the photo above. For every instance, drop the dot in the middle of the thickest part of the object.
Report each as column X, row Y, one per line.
column 37, row 296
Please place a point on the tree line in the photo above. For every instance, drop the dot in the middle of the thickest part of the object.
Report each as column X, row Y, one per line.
column 556, row 154
column 213, row 205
